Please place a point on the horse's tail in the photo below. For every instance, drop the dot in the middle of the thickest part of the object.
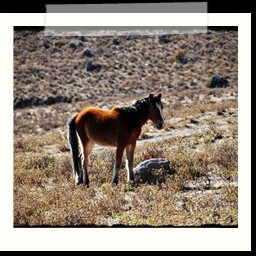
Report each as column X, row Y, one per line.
column 73, row 141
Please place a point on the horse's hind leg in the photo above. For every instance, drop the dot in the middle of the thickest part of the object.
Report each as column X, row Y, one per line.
column 88, row 146
column 87, row 149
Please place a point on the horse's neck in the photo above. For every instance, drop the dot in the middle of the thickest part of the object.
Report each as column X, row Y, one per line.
column 137, row 114
column 142, row 115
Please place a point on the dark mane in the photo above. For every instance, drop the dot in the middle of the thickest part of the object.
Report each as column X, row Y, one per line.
column 137, row 114
column 136, row 107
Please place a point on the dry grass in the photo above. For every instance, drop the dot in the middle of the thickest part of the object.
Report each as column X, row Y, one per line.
column 45, row 194
column 199, row 140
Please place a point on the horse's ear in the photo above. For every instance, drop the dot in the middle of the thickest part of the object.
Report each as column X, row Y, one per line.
column 151, row 96
column 159, row 95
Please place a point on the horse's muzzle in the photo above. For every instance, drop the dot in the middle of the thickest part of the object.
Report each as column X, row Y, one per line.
column 160, row 125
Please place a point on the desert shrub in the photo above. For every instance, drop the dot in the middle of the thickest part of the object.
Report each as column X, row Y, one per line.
column 226, row 155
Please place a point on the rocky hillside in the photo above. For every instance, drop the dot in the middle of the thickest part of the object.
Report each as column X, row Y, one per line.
column 50, row 70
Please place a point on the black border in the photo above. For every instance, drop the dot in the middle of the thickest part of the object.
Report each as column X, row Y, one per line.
column 40, row 28
column 40, row 6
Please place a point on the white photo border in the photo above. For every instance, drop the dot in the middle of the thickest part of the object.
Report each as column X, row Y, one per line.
column 126, row 239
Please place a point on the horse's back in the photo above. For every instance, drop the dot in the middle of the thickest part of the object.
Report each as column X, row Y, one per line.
column 98, row 115
column 100, row 125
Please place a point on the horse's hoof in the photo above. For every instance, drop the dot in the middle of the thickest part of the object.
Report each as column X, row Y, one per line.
column 86, row 183
column 79, row 182
column 78, row 179
column 115, row 181
column 131, row 179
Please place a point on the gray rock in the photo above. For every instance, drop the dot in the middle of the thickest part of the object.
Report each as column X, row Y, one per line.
column 116, row 42
column 218, row 81
column 148, row 170
column 81, row 38
column 164, row 39
column 93, row 67
column 72, row 45
column 181, row 58
column 87, row 52
column 75, row 44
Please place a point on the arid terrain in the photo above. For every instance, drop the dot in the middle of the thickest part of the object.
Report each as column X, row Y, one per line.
column 56, row 76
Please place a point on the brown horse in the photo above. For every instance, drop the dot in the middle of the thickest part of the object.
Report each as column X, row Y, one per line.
column 119, row 127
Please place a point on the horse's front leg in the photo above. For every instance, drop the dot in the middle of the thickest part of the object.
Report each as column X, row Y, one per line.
column 129, row 161
column 118, row 162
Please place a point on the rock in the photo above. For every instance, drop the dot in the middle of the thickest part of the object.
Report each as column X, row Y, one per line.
column 75, row 44
column 79, row 43
column 72, row 45
column 220, row 113
column 147, row 170
column 164, row 39
column 87, row 52
column 46, row 46
column 218, row 81
column 116, row 42
column 181, row 58
column 93, row 67
column 59, row 44
column 145, row 136
column 81, row 38
column 219, row 137
column 194, row 121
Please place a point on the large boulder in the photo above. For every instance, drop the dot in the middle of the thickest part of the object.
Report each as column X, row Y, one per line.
column 153, row 170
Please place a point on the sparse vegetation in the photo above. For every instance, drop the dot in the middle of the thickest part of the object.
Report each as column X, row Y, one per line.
column 200, row 138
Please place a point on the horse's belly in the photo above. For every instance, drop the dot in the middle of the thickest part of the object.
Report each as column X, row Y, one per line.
column 105, row 142
column 102, row 137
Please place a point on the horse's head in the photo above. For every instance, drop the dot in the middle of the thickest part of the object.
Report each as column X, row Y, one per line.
column 155, row 110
